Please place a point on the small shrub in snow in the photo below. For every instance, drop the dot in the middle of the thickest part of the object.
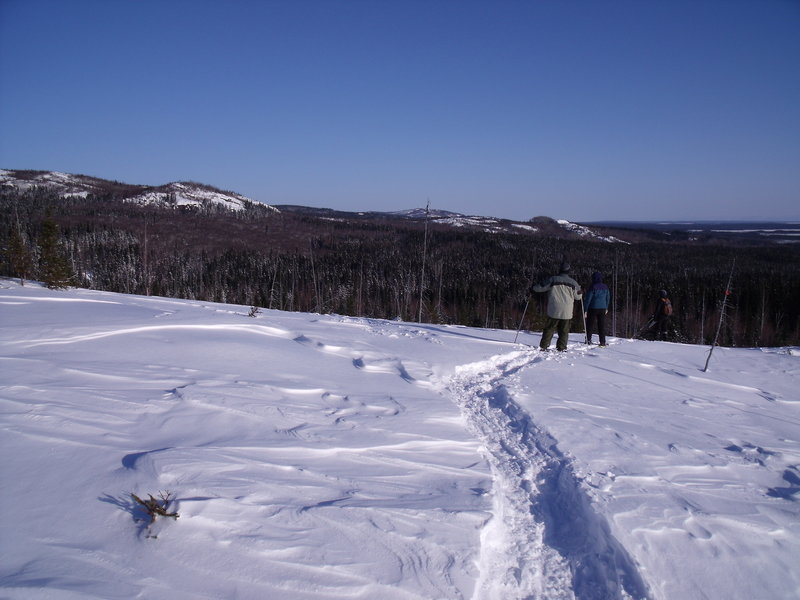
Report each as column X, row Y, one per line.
column 157, row 507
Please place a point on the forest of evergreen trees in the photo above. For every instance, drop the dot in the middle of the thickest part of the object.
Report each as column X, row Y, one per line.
column 374, row 267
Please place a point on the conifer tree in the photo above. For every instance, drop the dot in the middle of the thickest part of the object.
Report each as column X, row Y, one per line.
column 20, row 257
column 54, row 269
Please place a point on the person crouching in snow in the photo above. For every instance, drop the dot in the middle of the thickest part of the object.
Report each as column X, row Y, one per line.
column 562, row 291
column 596, row 303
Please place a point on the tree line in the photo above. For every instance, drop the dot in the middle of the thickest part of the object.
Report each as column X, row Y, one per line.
column 373, row 267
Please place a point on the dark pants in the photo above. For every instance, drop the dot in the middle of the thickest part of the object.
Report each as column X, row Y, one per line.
column 662, row 327
column 596, row 315
column 553, row 325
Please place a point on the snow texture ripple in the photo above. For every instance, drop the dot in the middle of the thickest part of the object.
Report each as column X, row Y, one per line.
column 320, row 456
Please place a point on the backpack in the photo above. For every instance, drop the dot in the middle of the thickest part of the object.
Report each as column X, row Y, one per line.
column 666, row 308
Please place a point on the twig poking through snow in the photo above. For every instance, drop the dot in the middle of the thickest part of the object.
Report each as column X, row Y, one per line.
column 157, row 507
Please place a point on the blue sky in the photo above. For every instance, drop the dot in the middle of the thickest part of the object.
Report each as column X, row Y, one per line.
column 583, row 110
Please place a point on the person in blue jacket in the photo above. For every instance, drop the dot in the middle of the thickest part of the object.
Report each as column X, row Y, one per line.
column 598, row 299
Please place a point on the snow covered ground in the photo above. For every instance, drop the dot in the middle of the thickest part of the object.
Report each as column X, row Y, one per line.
column 319, row 457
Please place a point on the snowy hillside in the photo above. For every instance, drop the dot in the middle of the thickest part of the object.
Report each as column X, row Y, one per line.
column 64, row 183
column 183, row 193
column 319, row 457
column 553, row 227
column 586, row 232
column 190, row 194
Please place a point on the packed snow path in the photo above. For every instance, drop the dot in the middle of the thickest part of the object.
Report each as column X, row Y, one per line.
column 544, row 540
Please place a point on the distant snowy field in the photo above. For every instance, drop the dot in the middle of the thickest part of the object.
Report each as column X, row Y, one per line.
column 320, row 457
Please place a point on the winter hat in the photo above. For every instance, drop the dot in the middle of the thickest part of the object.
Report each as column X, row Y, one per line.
column 564, row 267
column 597, row 277
column 663, row 293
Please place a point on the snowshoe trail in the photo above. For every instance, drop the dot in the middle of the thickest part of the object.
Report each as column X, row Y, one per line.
column 544, row 540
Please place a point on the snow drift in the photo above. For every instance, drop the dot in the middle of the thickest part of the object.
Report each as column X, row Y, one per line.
column 318, row 457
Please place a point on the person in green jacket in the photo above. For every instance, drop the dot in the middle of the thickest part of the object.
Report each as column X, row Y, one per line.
column 562, row 292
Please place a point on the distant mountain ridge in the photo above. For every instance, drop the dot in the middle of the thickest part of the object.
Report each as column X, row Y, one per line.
column 193, row 194
column 189, row 193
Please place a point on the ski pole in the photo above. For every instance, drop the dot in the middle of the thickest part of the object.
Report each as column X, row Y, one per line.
column 583, row 314
column 522, row 319
column 647, row 326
